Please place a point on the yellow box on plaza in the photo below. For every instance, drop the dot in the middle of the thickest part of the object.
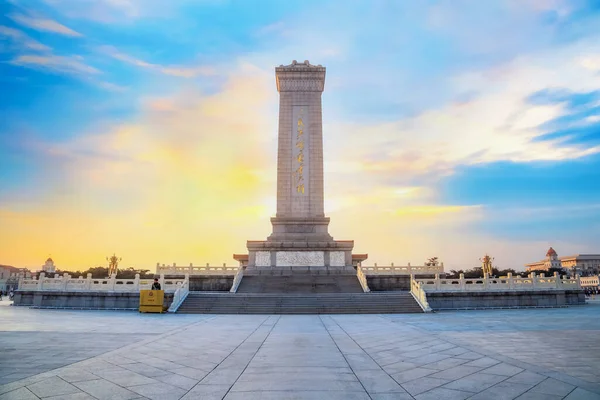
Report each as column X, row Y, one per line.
column 152, row 300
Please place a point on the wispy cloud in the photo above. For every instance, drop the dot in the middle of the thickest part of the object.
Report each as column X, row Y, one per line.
column 21, row 40
column 173, row 70
column 43, row 24
column 54, row 63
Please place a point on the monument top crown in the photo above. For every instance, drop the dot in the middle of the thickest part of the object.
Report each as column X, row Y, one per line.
column 296, row 64
column 300, row 77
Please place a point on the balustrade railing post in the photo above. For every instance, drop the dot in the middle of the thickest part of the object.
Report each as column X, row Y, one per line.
column 161, row 280
column 485, row 281
column 533, row 280
column 511, row 282
column 113, row 282
column 88, row 282
column 65, row 282
column 136, row 284
column 578, row 281
column 438, row 283
column 463, row 285
column 41, row 278
column 557, row 282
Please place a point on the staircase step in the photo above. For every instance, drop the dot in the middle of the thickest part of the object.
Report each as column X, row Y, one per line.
column 319, row 303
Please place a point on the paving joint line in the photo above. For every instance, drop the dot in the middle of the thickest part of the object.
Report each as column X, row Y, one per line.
column 548, row 373
column 343, row 355
column 254, row 355
column 229, row 355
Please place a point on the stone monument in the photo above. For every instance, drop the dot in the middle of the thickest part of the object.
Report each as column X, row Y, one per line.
column 300, row 237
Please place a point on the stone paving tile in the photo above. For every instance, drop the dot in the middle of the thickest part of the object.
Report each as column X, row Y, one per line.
column 391, row 396
column 526, row 377
column 483, row 362
column 52, row 387
column 455, row 372
column 582, row 394
column 553, row 386
column 475, row 383
column 420, row 385
column 503, row 391
column 538, row 396
column 503, row 369
column 411, row 374
column 469, row 356
column 443, row 394
column 105, row 390
column 159, row 391
column 399, row 367
column 188, row 372
column 445, row 364
column 125, row 378
column 19, row 394
column 178, row 380
column 75, row 375
column 207, row 392
column 298, row 395
column 75, row 396
column 146, row 370
column 377, row 381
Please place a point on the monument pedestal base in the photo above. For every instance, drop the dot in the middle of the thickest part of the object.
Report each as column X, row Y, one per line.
column 300, row 255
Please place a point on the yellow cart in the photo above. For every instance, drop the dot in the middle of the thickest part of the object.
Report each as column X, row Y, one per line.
column 152, row 301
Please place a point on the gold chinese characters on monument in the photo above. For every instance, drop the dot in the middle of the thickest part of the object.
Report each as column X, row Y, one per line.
column 299, row 173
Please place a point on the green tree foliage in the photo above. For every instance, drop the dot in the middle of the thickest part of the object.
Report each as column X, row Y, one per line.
column 102, row 272
column 477, row 273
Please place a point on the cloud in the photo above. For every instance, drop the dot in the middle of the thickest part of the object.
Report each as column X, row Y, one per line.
column 173, row 70
column 43, row 24
column 187, row 175
column 56, row 64
column 22, row 40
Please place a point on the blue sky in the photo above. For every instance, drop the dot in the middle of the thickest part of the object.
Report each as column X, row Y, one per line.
column 452, row 128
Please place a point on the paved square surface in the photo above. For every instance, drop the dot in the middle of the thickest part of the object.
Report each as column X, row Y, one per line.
column 512, row 354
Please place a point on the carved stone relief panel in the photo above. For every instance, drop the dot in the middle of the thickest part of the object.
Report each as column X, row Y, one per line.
column 300, row 259
column 337, row 259
column 263, row 259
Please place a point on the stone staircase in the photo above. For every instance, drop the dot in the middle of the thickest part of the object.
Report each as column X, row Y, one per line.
column 309, row 303
column 300, row 284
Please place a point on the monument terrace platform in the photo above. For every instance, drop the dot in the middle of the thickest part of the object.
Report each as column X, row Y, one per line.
column 547, row 354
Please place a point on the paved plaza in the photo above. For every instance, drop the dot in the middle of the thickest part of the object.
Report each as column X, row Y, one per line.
column 503, row 354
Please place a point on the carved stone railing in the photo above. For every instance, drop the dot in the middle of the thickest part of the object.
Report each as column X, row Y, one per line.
column 237, row 279
column 363, row 280
column 195, row 270
column 66, row 283
column 402, row 270
column 183, row 289
column 532, row 282
column 419, row 294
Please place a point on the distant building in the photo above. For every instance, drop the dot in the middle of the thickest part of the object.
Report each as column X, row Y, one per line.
column 551, row 261
column 9, row 276
column 49, row 266
column 582, row 264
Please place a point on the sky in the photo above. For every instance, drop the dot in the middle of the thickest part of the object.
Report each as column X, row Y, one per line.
column 148, row 128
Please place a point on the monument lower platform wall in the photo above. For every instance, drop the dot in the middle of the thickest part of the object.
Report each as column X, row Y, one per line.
column 211, row 283
column 504, row 299
column 85, row 300
column 383, row 283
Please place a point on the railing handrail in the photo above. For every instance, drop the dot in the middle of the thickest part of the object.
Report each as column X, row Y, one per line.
column 237, row 279
column 183, row 289
column 419, row 294
column 532, row 282
column 363, row 280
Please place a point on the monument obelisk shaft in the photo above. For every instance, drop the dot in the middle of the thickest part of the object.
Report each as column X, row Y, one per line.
column 300, row 237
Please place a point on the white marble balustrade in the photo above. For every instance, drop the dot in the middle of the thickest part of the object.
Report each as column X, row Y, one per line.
column 532, row 282
column 402, row 270
column 66, row 283
column 196, row 270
